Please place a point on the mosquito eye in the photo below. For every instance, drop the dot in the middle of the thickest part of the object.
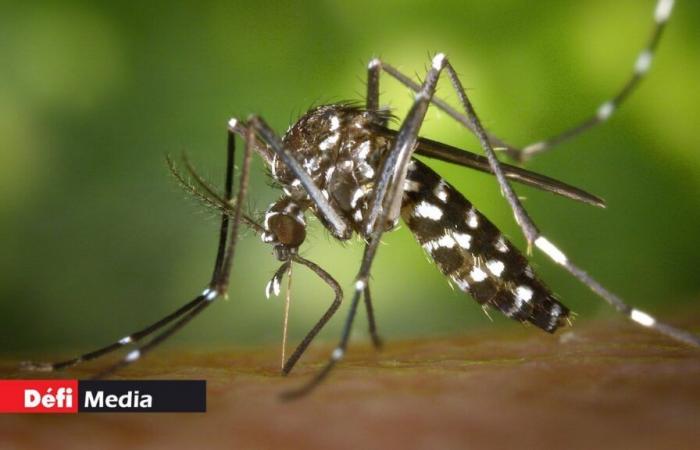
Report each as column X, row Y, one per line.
column 288, row 231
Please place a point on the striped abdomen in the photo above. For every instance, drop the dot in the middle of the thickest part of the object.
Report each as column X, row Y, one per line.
column 473, row 253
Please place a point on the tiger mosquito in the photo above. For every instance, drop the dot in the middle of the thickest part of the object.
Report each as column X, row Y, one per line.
column 342, row 163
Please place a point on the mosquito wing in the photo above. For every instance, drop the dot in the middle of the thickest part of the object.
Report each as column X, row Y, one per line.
column 444, row 152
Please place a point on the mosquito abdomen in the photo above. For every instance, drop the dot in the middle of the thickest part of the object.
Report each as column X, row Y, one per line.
column 473, row 253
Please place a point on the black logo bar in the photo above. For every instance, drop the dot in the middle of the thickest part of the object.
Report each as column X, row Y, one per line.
column 142, row 396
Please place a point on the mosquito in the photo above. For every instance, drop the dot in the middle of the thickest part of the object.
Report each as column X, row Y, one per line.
column 344, row 164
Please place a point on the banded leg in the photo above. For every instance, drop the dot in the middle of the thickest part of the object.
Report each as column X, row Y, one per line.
column 533, row 235
column 662, row 13
column 390, row 183
column 224, row 261
column 341, row 228
column 190, row 309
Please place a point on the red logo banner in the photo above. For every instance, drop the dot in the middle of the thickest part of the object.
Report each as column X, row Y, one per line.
column 39, row 396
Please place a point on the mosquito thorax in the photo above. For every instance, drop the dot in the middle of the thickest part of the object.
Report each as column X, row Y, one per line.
column 337, row 145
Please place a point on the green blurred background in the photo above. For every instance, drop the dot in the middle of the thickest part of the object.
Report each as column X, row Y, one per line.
column 98, row 239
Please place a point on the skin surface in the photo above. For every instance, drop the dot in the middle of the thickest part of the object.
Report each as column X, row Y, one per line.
column 602, row 385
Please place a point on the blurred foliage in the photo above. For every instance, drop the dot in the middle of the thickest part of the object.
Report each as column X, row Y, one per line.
column 98, row 239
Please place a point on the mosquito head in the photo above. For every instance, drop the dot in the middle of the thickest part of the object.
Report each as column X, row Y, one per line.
column 289, row 234
column 285, row 227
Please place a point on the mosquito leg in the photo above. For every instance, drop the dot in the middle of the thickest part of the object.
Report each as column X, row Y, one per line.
column 441, row 104
column 521, row 216
column 639, row 317
column 376, row 340
column 135, row 337
column 339, row 352
column 138, row 353
column 225, row 219
column 392, row 175
column 126, row 340
column 662, row 13
column 227, row 239
column 389, row 186
column 341, row 228
column 336, row 356
column 207, row 296
column 533, row 235
column 333, row 284
column 221, row 282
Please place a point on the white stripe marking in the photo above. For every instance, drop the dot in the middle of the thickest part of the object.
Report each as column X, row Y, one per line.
column 335, row 123
column 663, row 10
column 477, row 274
column 363, row 150
column 495, row 267
column 210, row 294
column 446, row 241
column 463, row 239
column 439, row 61
column 642, row 318
column 366, row 170
column 535, row 148
column 472, row 219
column 329, row 142
column 428, row 211
column 501, row 245
column 272, row 287
column 276, row 286
column 357, row 215
column 643, row 62
column 266, row 222
column 605, row 111
column 329, row 174
column 440, row 191
column 133, row 355
column 551, row 250
column 554, row 315
column 523, row 293
column 337, row 354
column 358, row 194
